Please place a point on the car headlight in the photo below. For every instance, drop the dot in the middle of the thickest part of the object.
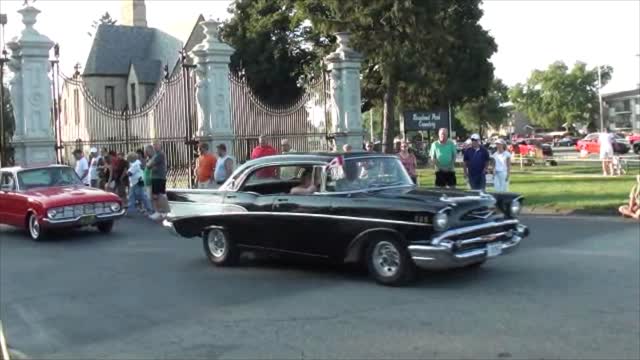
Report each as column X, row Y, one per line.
column 115, row 207
column 440, row 221
column 52, row 213
column 515, row 207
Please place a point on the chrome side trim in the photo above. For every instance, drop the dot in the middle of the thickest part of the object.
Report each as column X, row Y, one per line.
column 339, row 217
column 464, row 230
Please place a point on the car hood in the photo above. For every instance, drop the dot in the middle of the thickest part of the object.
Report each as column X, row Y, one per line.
column 70, row 195
column 435, row 199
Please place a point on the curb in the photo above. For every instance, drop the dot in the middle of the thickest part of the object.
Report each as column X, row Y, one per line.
column 570, row 212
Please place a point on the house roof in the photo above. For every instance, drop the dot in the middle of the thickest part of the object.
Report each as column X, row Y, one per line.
column 147, row 71
column 621, row 94
column 116, row 47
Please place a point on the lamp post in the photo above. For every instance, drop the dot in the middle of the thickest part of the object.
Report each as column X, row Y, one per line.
column 600, row 99
column 3, row 60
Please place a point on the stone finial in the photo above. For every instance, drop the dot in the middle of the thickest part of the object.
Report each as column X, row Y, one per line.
column 211, row 30
column 29, row 15
column 344, row 50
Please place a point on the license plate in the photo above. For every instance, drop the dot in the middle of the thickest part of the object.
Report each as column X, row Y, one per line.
column 87, row 220
column 494, row 249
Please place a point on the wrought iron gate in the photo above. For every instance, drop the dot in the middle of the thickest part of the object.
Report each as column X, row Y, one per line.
column 168, row 116
column 303, row 123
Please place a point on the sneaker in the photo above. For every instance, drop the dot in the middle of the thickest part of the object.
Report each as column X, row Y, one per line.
column 155, row 216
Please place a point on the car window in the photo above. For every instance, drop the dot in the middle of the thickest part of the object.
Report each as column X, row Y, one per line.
column 53, row 176
column 366, row 173
column 7, row 180
column 273, row 174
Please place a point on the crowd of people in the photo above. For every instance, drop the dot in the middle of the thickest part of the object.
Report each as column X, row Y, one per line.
column 138, row 178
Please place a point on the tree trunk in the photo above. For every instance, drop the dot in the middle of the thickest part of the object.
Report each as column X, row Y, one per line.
column 388, row 117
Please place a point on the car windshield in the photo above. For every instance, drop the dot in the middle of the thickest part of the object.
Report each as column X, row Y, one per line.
column 367, row 173
column 46, row 177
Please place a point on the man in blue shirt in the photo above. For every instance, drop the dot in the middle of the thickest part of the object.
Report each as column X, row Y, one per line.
column 476, row 161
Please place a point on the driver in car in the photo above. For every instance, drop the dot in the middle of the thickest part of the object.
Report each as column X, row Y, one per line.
column 307, row 185
column 351, row 180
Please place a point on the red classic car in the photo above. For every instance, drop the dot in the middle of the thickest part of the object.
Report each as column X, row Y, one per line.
column 633, row 138
column 592, row 146
column 44, row 198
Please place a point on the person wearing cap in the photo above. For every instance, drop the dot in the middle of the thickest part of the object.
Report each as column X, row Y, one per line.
column 82, row 166
column 443, row 153
column 502, row 167
column 94, row 162
column 476, row 161
column 224, row 165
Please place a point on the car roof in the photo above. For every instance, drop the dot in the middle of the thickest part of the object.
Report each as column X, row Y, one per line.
column 315, row 156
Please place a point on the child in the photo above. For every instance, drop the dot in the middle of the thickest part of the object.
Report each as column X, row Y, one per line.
column 617, row 167
column 633, row 208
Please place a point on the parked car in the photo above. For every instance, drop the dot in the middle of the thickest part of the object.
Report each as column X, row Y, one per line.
column 364, row 209
column 633, row 138
column 529, row 147
column 44, row 198
column 591, row 145
column 568, row 141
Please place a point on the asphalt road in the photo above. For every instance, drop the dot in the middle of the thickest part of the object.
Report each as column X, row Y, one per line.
column 571, row 291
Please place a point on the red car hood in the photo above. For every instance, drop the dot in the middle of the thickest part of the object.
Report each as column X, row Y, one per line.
column 70, row 195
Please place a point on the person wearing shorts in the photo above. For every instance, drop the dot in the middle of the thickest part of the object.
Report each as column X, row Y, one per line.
column 443, row 152
column 158, row 166
column 605, row 141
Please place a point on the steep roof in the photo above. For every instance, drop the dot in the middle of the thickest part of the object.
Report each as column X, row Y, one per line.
column 147, row 71
column 116, row 47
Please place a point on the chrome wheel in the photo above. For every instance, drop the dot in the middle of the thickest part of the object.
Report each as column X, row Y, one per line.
column 386, row 258
column 34, row 227
column 217, row 243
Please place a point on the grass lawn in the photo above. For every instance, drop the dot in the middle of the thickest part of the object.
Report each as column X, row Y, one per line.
column 581, row 188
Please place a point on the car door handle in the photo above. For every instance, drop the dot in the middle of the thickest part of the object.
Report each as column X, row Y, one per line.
column 282, row 200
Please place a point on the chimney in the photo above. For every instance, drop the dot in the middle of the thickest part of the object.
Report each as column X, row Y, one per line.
column 134, row 13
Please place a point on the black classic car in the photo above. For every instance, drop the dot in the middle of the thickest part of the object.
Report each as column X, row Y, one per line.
column 355, row 207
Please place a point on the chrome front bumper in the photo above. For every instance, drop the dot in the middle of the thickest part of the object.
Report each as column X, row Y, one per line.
column 444, row 253
column 169, row 226
column 83, row 220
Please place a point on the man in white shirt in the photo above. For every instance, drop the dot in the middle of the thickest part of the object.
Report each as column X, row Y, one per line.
column 94, row 159
column 136, row 185
column 605, row 139
column 82, row 167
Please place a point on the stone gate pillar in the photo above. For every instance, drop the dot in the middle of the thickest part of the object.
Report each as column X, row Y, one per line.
column 33, row 141
column 212, row 90
column 346, row 118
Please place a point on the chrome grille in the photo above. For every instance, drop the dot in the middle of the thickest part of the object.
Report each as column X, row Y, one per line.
column 479, row 213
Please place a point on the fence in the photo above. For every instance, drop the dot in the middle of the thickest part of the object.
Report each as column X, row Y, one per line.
column 169, row 116
column 303, row 122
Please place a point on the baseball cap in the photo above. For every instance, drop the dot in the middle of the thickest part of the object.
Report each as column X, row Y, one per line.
column 475, row 137
column 93, row 150
column 500, row 141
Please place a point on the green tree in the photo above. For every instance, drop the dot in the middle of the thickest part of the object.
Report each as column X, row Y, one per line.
column 556, row 97
column 489, row 110
column 274, row 47
column 9, row 125
column 417, row 53
column 104, row 19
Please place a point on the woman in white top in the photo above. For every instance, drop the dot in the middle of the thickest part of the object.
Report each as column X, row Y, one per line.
column 502, row 168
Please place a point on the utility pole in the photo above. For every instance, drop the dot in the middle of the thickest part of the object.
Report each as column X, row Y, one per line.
column 600, row 99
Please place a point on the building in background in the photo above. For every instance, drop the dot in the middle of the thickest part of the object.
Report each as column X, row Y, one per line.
column 128, row 60
column 622, row 110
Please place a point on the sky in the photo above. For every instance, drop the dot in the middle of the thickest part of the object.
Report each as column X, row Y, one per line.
column 530, row 34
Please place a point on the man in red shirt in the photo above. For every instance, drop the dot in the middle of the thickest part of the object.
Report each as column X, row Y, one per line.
column 264, row 149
